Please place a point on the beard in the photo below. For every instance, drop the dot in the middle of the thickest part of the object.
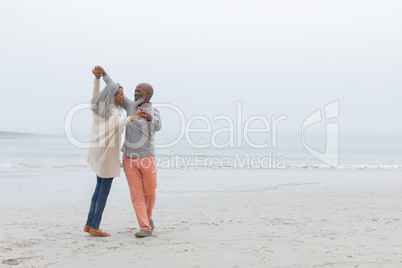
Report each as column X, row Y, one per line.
column 139, row 101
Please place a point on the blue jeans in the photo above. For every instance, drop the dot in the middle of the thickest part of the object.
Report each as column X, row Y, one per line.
column 98, row 201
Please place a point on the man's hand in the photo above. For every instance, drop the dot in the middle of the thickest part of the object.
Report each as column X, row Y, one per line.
column 96, row 73
column 102, row 72
column 144, row 114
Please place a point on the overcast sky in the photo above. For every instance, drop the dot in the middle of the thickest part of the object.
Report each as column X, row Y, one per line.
column 276, row 57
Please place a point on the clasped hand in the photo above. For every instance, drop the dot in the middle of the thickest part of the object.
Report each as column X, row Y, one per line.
column 143, row 114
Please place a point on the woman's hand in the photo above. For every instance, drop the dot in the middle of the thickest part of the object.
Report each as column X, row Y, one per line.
column 141, row 114
column 101, row 70
column 97, row 73
column 135, row 116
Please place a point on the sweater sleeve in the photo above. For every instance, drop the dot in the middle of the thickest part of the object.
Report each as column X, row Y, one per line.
column 156, row 120
column 124, row 122
column 116, row 121
column 126, row 101
column 108, row 80
column 96, row 87
column 127, row 104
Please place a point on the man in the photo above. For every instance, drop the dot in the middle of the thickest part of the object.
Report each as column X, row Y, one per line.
column 139, row 153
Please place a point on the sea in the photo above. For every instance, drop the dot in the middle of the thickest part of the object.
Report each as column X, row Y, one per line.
column 354, row 151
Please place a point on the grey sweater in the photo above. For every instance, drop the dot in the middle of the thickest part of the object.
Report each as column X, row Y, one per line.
column 139, row 140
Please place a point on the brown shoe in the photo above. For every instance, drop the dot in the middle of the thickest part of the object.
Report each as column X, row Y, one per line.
column 86, row 228
column 98, row 232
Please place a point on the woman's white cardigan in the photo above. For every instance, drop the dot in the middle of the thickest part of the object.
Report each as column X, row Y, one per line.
column 104, row 151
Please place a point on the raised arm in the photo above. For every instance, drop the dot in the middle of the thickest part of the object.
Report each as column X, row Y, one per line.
column 108, row 80
column 96, row 82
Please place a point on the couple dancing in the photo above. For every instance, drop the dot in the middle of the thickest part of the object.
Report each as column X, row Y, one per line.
column 138, row 149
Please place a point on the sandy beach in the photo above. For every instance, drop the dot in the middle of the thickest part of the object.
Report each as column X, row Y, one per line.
column 207, row 218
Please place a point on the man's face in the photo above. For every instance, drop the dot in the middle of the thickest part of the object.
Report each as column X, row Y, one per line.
column 140, row 92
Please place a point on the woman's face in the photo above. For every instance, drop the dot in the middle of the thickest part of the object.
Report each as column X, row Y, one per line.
column 118, row 98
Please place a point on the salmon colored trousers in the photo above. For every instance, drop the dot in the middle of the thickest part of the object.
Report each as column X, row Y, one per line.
column 141, row 178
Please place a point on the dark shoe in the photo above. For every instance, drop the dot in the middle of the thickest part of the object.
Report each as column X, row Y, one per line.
column 143, row 233
column 151, row 223
column 98, row 232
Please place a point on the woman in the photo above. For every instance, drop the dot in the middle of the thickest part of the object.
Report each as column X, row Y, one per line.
column 104, row 151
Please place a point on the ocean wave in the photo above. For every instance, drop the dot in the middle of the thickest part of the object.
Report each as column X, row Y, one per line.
column 22, row 135
column 192, row 166
column 38, row 166
column 322, row 167
column 348, row 167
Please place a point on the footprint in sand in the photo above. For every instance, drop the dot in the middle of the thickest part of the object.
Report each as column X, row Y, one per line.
column 26, row 243
column 13, row 261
